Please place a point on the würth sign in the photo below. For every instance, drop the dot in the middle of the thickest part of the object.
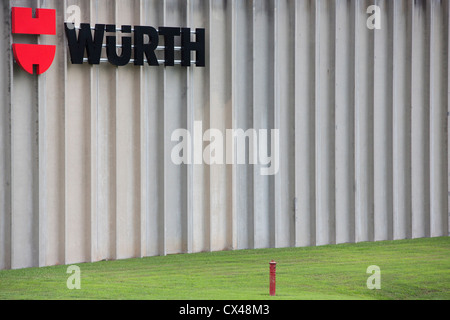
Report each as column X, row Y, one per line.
column 138, row 44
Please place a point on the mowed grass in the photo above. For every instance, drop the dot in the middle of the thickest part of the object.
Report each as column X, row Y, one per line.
column 410, row 269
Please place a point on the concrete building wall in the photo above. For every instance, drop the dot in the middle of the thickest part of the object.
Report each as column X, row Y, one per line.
column 85, row 151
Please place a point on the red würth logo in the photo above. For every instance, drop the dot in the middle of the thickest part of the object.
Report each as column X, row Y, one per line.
column 28, row 55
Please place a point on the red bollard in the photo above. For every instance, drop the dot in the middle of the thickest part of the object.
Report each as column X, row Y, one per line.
column 273, row 269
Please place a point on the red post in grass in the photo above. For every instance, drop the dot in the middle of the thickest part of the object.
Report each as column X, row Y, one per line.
column 273, row 269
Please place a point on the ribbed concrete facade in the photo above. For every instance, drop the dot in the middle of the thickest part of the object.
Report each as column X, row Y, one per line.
column 85, row 150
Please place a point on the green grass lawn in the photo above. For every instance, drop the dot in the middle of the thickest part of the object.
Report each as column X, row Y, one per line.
column 410, row 269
